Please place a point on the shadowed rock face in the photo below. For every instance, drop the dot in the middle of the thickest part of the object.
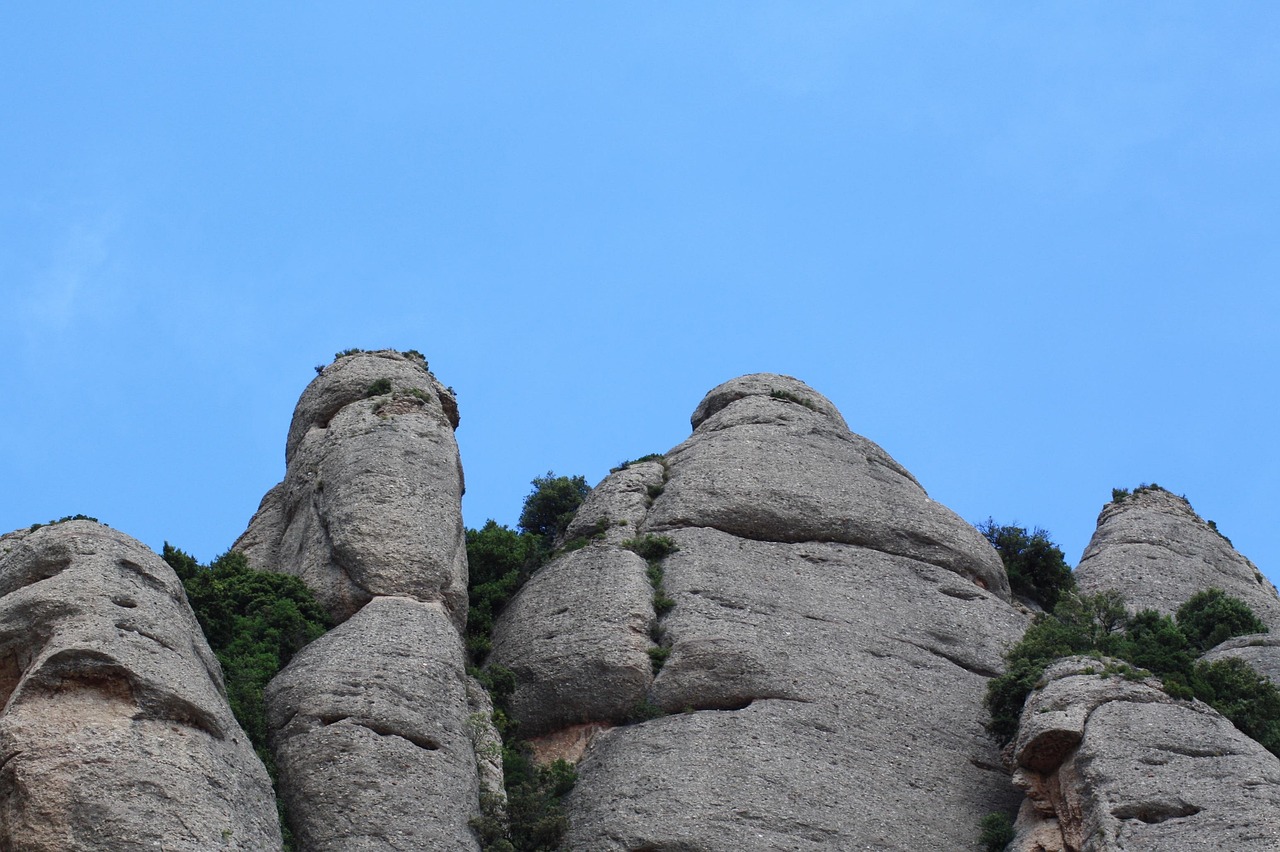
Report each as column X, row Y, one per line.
column 1110, row 764
column 832, row 634
column 114, row 733
column 1154, row 549
column 371, row 499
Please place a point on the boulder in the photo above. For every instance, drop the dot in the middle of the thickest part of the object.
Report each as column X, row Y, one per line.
column 373, row 734
column 815, row 678
column 1154, row 549
column 115, row 733
column 1109, row 763
column 371, row 499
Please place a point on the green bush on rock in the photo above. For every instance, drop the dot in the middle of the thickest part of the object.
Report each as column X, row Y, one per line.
column 1036, row 566
column 1155, row 644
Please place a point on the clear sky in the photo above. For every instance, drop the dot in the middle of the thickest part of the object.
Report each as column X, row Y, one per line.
column 1028, row 248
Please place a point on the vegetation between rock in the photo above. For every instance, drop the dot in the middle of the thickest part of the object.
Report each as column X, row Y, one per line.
column 1036, row 566
column 1154, row 644
column 501, row 560
column 255, row 622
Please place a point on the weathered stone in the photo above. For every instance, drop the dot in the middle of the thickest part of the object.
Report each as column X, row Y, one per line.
column 1113, row 764
column 618, row 505
column 371, row 499
column 577, row 639
column 373, row 733
column 1259, row 650
column 769, row 467
column 832, row 634
column 1155, row 550
column 115, row 733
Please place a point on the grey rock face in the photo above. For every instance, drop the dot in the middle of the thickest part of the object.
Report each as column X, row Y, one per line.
column 371, row 499
column 372, row 733
column 762, row 465
column 1154, row 549
column 832, row 634
column 1110, row 764
column 115, row 734
column 1260, row 650
column 382, row 740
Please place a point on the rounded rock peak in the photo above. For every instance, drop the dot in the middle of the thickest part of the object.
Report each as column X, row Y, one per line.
column 358, row 374
column 786, row 389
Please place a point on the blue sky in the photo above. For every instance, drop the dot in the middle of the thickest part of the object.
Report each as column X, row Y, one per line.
column 1028, row 248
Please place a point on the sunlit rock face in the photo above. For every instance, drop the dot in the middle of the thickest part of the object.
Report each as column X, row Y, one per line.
column 381, row 739
column 1109, row 763
column 1154, row 549
column 829, row 639
column 115, row 733
column 371, row 500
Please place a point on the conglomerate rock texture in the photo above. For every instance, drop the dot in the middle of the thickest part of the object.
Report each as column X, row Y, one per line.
column 832, row 634
column 376, row 727
column 1111, row 764
column 371, row 499
column 1153, row 548
column 115, row 733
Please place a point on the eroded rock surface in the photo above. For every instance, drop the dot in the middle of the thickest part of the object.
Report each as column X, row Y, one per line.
column 371, row 499
column 372, row 733
column 830, row 639
column 1154, row 549
column 382, row 741
column 1109, row 763
column 115, row 733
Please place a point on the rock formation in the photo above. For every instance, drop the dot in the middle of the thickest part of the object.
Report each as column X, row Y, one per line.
column 1153, row 548
column 371, row 499
column 832, row 633
column 1108, row 763
column 376, row 726
column 115, row 733
column 767, row 638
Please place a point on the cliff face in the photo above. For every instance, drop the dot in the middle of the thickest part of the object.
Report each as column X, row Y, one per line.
column 114, row 733
column 772, row 639
column 826, row 651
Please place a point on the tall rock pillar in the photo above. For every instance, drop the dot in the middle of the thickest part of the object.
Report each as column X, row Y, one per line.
column 376, row 724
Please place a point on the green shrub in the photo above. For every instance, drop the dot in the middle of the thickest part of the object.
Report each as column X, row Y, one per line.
column 788, row 396
column 1036, row 566
column 626, row 464
column 254, row 621
column 378, row 388
column 658, row 657
column 651, row 548
column 552, row 504
column 1145, row 643
column 1211, row 617
column 1248, row 699
column 997, row 832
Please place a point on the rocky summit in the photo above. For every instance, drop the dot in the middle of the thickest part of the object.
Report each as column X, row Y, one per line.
column 768, row 637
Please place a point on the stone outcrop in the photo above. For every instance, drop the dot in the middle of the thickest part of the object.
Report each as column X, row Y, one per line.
column 372, row 733
column 371, row 499
column 115, row 733
column 1109, row 763
column 1153, row 548
column 820, row 673
column 381, row 739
